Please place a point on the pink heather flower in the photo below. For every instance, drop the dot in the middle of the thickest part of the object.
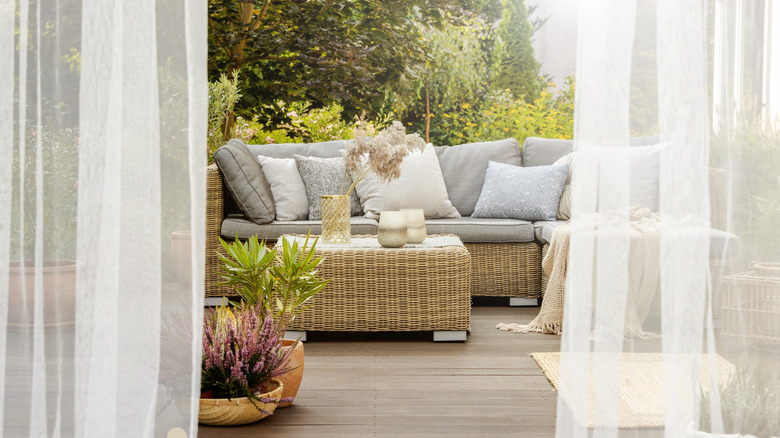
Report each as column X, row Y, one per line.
column 241, row 353
column 269, row 140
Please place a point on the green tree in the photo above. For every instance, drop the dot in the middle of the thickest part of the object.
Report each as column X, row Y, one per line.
column 457, row 74
column 516, row 68
column 321, row 51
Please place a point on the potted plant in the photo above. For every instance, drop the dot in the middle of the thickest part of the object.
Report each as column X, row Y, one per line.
column 44, row 222
column 280, row 284
column 749, row 403
column 242, row 355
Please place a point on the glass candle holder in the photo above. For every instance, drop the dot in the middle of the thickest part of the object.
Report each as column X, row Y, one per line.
column 391, row 232
column 415, row 225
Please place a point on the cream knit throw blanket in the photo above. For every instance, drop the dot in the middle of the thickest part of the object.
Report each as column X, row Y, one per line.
column 643, row 277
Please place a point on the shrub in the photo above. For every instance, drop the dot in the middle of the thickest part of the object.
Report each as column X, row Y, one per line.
column 503, row 115
column 306, row 124
column 223, row 95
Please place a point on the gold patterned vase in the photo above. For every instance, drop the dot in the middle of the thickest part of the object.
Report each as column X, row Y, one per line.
column 336, row 212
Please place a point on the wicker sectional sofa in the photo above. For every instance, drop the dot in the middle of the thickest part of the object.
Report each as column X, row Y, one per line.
column 505, row 253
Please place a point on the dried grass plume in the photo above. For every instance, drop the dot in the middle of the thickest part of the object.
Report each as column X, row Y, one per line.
column 381, row 153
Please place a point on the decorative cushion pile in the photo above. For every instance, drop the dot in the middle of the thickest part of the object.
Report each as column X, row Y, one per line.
column 420, row 185
column 325, row 176
column 513, row 192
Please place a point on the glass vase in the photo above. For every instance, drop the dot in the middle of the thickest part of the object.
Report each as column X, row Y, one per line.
column 336, row 212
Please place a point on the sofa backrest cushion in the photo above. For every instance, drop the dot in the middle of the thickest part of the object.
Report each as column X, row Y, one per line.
column 245, row 181
column 325, row 149
column 464, row 167
column 544, row 151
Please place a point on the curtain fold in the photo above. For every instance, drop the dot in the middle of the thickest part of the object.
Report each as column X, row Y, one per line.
column 698, row 75
column 102, row 134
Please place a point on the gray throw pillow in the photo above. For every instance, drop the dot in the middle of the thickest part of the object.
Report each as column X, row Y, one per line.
column 245, row 181
column 528, row 193
column 325, row 176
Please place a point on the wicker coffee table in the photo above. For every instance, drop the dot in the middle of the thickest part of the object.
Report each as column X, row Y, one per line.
column 422, row 287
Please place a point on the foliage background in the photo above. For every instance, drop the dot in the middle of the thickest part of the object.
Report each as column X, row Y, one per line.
column 451, row 70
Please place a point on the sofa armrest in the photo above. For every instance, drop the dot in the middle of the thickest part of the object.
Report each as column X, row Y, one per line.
column 215, row 213
column 718, row 204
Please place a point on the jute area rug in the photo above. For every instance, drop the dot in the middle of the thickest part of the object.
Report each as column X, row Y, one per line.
column 641, row 388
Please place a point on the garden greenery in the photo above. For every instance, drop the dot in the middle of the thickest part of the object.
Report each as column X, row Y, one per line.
column 223, row 96
column 452, row 71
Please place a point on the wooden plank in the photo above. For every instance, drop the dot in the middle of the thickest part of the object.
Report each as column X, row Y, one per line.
column 402, row 384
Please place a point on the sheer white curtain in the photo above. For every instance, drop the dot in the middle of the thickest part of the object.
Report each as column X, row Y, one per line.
column 102, row 183
column 699, row 76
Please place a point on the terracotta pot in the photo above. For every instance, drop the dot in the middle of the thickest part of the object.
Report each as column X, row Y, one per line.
column 181, row 256
column 59, row 293
column 292, row 379
column 232, row 412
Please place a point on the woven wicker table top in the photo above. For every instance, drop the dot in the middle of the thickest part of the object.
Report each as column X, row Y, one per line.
column 370, row 242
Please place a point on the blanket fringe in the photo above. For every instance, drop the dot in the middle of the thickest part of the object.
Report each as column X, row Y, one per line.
column 549, row 328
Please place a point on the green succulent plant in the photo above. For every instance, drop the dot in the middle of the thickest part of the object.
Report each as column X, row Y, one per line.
column 280, row 282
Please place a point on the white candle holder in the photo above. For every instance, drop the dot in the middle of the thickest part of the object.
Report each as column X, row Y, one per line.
column 415, row 225
column 392, row 229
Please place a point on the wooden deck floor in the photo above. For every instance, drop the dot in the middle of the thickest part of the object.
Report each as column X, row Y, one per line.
column 366, row 385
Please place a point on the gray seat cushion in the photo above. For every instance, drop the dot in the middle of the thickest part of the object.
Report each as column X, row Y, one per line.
column 463, row 168
column 245, row 181
column 543, row 230
column 275, row 229
column 476, row 230
column 723, row 245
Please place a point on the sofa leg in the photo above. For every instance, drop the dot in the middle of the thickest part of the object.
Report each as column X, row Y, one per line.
column 449, row 335
column 214, row 301
column 292, row 334
column 523, row 302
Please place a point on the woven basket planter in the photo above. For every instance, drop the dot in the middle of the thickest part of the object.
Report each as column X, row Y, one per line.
column 232, row 412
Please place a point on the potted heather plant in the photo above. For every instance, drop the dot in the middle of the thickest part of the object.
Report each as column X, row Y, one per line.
column 242, row 355
column 280, row 284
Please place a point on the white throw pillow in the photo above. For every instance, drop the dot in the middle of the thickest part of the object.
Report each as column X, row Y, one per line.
column 421, row 185
column 287, row 188
column 644, row 185
column 564, row 205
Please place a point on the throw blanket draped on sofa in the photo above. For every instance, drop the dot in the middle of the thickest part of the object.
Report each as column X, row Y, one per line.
column 643, row 273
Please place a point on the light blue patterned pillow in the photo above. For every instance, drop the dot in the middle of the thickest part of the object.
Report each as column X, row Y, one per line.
column 514, row 192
